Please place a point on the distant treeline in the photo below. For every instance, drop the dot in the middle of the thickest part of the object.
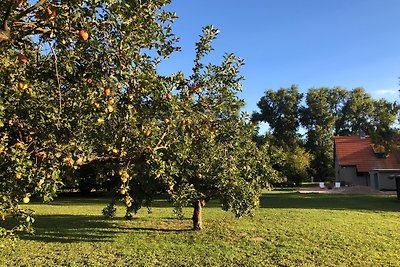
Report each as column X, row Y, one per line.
column 324, row 113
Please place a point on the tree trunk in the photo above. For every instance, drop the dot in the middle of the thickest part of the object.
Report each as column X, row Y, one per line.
column 197, row 214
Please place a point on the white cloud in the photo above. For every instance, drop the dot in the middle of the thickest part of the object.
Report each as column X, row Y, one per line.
column 384, row 92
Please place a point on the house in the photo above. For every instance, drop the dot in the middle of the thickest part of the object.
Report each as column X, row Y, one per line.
column 359, row 162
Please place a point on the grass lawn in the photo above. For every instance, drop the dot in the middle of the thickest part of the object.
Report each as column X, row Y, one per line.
column 289, row 229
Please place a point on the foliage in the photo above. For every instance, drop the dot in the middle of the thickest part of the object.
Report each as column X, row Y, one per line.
column 295, row 165
column 383, row 134
column 84, row 75
column 206, row 151
column 319, row 117
column 69, row 70
column 280, row 109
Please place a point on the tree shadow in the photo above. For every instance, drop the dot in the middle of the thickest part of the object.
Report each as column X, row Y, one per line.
column 79, row 201
column 71, row 229
column 154, row 229
column 91, row 229
column 330, row 201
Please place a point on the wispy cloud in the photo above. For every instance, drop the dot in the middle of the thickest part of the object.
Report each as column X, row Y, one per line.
column 385, row 92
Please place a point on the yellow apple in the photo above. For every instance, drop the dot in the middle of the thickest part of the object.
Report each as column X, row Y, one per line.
column 26, row 200
column 23, row 85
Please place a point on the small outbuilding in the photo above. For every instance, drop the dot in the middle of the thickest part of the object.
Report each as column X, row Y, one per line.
column 359, row 162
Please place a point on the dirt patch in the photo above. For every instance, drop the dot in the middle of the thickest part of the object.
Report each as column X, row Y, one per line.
column 356, row 189
column 359, row 189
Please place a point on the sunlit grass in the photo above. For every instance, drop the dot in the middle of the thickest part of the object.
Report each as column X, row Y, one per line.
column 289, row 229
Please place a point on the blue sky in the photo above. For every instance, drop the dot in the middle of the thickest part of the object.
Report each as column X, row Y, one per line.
column 311, row 43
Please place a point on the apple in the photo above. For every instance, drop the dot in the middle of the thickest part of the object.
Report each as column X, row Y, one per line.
column 51, row 13
column 128, row 201
column 123, row 153
column 19, row 145
column 166, row 120
column 170, row 187
column 110, row 109
column 23, row 86
column 107, row 91
column 195, row 88
column 84, row 35
column 124, row 176
column 2, row 149
column 169, row 96
column 22, row 58
column 48, row 11
column 18, row 175
column 122, row 191
column 26, row 200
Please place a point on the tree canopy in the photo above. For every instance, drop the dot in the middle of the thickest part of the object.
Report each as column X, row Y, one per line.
column 80, row 84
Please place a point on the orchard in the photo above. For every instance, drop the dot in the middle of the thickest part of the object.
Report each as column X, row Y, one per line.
column 79, row 84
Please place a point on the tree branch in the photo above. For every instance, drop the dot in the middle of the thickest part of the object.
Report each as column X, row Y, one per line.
column 31, row 9
column 58, row 78
column 7, row 16
column 5, row 30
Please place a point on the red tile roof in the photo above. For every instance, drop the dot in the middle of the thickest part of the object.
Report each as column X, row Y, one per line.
column 354, row 151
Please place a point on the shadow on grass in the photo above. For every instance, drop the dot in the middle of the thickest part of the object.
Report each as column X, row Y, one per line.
column 79, row 201
column 330, row 201
column 71, row 229
column 63, row 228
column 154, row 229
column 77, row 228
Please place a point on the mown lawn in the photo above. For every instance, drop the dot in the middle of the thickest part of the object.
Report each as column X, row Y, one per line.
column 289, row 229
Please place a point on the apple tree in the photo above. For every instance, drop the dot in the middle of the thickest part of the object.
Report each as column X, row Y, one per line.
column 199, row 146
column 70, row 71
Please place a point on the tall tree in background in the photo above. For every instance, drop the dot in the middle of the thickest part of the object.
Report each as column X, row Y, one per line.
column 362, row 113
column 383, row 118
column 356, row 113
column 280, row 109
column 319, row 117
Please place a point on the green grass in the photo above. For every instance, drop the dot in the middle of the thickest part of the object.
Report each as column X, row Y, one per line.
column 289, row 229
